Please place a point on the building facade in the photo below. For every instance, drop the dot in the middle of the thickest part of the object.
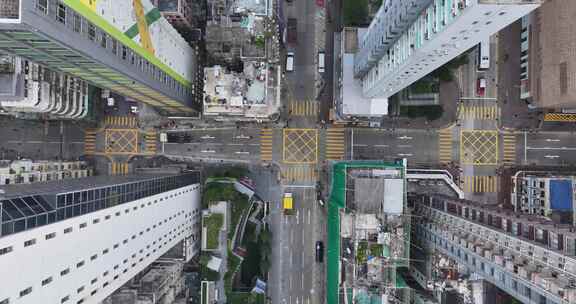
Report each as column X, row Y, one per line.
column 30, row 88
column 409, row 39
column 530, row 258
column 123, row 46
column 80, row 240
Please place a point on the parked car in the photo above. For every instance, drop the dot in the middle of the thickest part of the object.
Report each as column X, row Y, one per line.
column 290, row 62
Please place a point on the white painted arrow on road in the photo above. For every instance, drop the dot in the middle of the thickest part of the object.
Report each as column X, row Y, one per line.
column 405, row 137
column 551, row 156
column 552, row 140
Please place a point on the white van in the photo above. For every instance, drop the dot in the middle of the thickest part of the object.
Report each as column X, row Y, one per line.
column 290, row 62
column 321, row 62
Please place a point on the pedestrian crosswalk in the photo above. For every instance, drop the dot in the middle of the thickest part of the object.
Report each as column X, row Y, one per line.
column 266, row 136
column 480, row 184
column 479, row 111
column 508, row 148
column 89, row 141
column 445, row 145
column 150, row 140
column 303, row 108
column 121, row 121
column 299, row 174
column 335, row 143
column 119, row 168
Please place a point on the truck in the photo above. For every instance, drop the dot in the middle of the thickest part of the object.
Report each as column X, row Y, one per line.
column 288, row 203
column 292, row 28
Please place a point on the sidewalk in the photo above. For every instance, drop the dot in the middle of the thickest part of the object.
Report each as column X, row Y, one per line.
column 449, row 95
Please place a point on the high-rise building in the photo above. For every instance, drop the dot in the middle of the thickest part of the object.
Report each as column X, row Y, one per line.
column 77, row 241
column 528, row 257
column 409, row 39
column 123, row 46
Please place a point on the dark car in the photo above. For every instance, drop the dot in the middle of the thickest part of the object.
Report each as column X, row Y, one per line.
column 319, row 251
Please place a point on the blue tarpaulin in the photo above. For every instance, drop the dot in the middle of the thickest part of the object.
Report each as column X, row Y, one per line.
column 561, row 194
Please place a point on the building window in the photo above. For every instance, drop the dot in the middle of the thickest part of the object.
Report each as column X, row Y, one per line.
column 29, row 242
column 95, row 221
column 65, row 299
column 92, row 258
column 42, row 5
column 61, row 13
column 94, row 280
column 105, row 251
column 25, row 291
column 83, row 225
column 51, row 235
column 68, row 230
column 80, row 264
column 94, row 292
column 80, row 301
column 46, row 281
column 65, row 272
column 5, row 250
column 5, row 301
column 79, row 290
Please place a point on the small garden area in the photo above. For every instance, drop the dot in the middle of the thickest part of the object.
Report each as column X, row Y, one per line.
column 213, row 224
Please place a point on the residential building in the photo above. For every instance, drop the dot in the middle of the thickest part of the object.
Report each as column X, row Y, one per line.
column 409, row 39
column 27, row 171
column 548, row 44
column 26, row 87
column 77, row 241
column 123, row 46
column 528, row 257
column 550, row 196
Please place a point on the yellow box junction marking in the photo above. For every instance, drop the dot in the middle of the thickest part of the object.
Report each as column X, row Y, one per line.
column 300, row 146
column 479, row 147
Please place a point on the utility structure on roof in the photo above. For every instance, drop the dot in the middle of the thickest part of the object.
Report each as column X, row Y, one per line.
column 409, row 39
column 123, row 46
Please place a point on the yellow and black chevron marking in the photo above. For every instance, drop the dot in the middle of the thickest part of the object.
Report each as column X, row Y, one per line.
column 480, row 184
column 150, row 140
column 299, row 173
column 303, row 108
column 89, row 141
column 335, row 143
column 121, row 121
column 560, row 117
column 119, row 168
column 509, row 148
column 445, row 145
column 479, row 112
column 266, row 136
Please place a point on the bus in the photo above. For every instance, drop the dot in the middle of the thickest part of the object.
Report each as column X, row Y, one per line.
column 484, row 55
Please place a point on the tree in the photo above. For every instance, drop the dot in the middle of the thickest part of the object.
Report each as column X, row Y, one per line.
column 355, row 12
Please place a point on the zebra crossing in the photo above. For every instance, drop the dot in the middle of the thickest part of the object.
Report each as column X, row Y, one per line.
column 266, row 136
column 445, row 145
column 121, row 121
column 303, row 108
column 480, row 184
column 335, row 143
column 119, row 168
column 478, row 111
column 508, row 148
column 150, row 141
column 89, row 141
column 299, row 173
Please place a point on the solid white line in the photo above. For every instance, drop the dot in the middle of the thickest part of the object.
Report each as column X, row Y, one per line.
column 552, row 148
column 309, row 211
column 404, row 146
column 360, row 145
column 235, row 144
column 525, row 144
column 381, row 146
column 302, row 277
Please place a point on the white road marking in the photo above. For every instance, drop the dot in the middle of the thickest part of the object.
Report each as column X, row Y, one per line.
column 297, row 217
column 404, row 146
column 291, row 288
column 552, row 148
column 235, row 144
column 241, row 152
column 404, row 154
column 405, row 137
column 552, row 156
column 207, row 137
column 360, row 145
column 552, row 140
column 381, row 146
column 309, row 211
column 302, row 282
column 208, row 151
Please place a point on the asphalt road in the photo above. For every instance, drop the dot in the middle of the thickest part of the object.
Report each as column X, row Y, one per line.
column 40, row 141
column 218, row 144
column 418, row 146
column 298, row 278
column 548, row 148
